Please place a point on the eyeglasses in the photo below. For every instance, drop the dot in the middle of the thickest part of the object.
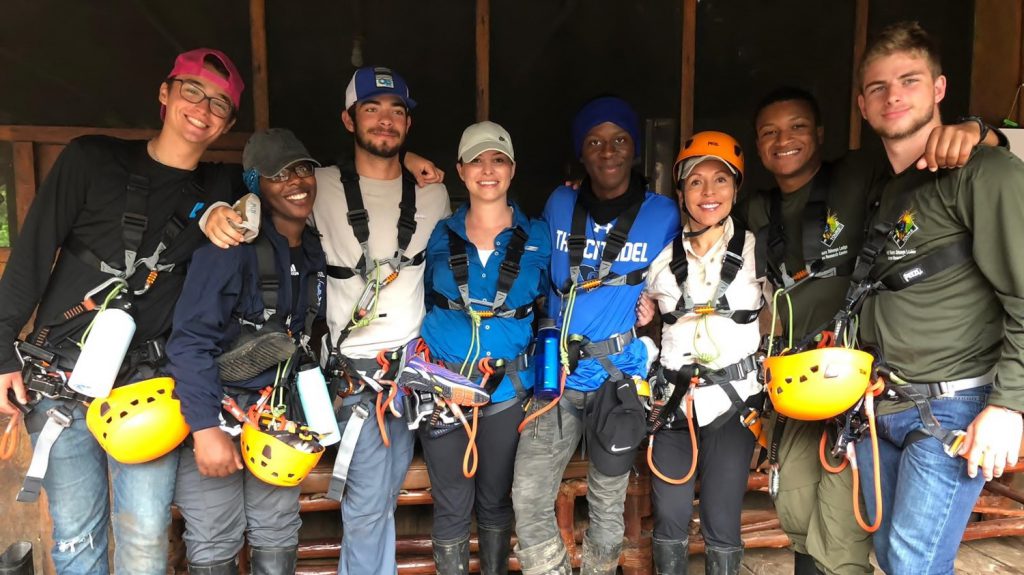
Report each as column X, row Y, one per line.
column 194, row 93
column 299, row 170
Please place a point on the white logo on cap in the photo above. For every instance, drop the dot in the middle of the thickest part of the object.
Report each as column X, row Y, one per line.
column 384, row 81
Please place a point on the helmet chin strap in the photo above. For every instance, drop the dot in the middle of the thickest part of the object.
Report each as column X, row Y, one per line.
column 692, row 234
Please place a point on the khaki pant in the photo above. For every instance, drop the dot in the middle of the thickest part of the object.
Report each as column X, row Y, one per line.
column 815, row 506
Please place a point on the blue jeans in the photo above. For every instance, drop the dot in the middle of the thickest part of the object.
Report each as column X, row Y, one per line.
column 927, row 496
column 76, row 488
column 371, row 496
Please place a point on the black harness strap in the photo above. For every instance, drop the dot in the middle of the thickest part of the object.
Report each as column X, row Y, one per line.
column 732, row 263
column 508, row 271
column 616, row 239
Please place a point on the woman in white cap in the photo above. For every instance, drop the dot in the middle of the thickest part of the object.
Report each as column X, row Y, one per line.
column 486, row 264
column 705, row 390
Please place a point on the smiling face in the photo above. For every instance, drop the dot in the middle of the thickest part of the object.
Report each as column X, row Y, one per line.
column 708, row 193
column 380, row 124
column 788, row 142
column 488, row 176
column 607, row 155
column 194, row 123
column 899, row 95
column 292, row 199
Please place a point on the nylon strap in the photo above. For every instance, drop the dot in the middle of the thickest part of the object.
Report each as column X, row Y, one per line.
column 508, row 271
column 346, row 449
column 57, row 420
column 615, row 240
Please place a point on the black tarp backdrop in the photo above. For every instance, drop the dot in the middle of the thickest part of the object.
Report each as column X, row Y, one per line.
column 100, row 64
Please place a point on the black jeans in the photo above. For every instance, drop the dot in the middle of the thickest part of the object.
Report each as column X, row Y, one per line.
column 490, row 489
column 723, row 464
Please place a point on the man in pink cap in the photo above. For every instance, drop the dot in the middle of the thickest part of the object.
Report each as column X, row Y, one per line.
column 117, row 210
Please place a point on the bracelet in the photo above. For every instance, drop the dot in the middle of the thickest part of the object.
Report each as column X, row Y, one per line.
column 981, row 125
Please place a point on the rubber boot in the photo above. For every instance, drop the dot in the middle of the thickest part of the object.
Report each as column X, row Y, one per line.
column 451, row 557
column 722, row 561
column 547, row 558
column 17, row 560
column 273, row 560
column 229, row 567
column 670, row 557
column 495, row 544
column 599, row 559
column 803, row 564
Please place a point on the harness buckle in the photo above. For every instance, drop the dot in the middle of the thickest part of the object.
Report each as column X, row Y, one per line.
column 60, row 415
column 140, row 221
column 952, row 448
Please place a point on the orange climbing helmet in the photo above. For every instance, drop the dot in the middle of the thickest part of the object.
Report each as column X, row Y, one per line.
column 139, row 422
column 708, row 145
column 817, row 384
column 282, row 458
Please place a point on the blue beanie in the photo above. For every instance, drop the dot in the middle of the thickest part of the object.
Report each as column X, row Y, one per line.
column 601, row 110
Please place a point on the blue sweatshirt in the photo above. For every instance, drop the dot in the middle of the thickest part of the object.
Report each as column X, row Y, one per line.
column 448, row 332
column 222, row 286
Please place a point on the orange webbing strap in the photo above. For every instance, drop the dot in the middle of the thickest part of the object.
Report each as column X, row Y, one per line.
column 561, row 389
column 693, row 443
column 869, row 408
column 9, row 441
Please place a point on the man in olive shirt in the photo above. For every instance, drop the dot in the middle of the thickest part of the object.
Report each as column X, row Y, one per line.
column 951, row 314
column 813, row 222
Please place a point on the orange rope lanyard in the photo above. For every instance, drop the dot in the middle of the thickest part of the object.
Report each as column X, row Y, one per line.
column 9, row 441
column 869, row 408
column 693, row 443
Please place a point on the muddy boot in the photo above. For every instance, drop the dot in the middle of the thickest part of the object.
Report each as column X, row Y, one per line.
column 17, row 560
column 273, row 560
column 599, row 559
column 670, row 557
column 229, row 567
column 547, row 558
column 803, row 564
column 722, row 561
column 495, row 543
column 451, row 557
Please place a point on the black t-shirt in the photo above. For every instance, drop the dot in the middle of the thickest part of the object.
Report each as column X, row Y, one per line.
column 82, row 201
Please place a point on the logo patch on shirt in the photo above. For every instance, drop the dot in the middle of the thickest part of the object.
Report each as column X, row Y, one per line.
column 195, row 210
column 833, row 227
column 904, row 228
column 598, row 228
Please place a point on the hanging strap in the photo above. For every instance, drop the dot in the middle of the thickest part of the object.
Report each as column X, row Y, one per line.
column 732, row 263
column 615, row 240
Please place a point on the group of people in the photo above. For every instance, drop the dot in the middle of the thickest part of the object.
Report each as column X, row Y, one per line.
column 910, row 254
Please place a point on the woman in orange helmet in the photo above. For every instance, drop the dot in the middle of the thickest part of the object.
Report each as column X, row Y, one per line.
column 705, row 390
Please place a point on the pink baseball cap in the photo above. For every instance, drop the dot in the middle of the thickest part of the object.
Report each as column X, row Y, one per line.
column 192, row 64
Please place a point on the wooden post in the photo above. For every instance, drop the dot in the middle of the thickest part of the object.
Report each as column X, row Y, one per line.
column 860, row 40
column 260, row 91
column 483, row 60
column 997, row 59
column 689, row 59
column 24, row 180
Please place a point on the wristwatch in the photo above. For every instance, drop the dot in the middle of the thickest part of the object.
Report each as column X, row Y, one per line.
column 981, row 125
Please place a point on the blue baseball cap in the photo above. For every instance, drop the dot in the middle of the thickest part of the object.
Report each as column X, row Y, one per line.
column 372, row 81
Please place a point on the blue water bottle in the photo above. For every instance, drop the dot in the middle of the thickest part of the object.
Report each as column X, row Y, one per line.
column 546, row 361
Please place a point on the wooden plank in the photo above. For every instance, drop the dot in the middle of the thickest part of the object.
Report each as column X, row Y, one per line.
column 483, row 60
column 24, row 180
column 971, row 560
column 689, row 60
column 64, row 134
column 860, row 40
column 998, row 58
column 1007, row 550
column 260, row 89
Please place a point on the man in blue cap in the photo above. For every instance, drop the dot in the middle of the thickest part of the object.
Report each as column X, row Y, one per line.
column 604, row 236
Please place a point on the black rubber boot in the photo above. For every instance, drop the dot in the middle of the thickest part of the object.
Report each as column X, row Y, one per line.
column 229, row 567
column 547, row 558
column 722, row 561
column 670, row 557
column 17, row 560
column 451, row 557
column 803, row 564
column 495, row 547
column 599, row 559
column 273, row 560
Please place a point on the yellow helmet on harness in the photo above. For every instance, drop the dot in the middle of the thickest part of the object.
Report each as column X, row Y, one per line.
column 139, row 422
column 279, row 457
column 817, row 384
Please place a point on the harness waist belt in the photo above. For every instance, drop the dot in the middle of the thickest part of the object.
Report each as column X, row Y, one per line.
column 948, row 388
column 606, row 347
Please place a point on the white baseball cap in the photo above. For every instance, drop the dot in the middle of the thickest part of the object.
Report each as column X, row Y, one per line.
column 482, row 137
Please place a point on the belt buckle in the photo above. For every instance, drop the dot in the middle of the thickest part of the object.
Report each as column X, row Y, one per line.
column 943, row 389
column 60, row 415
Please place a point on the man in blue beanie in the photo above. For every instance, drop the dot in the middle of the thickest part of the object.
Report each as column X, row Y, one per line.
column 604, row 236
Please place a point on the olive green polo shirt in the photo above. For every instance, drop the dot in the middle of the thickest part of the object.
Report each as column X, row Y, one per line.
column 964, row 320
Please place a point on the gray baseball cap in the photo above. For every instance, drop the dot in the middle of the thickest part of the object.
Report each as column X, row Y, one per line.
column 270, row 151
column 482, row 137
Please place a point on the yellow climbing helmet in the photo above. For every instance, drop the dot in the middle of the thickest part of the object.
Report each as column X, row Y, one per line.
column 817, row 384
column 282, row 458
column 139, row 422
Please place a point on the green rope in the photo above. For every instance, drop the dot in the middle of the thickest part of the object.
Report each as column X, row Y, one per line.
column 110, row 297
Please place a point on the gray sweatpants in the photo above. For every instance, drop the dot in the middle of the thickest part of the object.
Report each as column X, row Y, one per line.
column 219, row 511
column 541, row 458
